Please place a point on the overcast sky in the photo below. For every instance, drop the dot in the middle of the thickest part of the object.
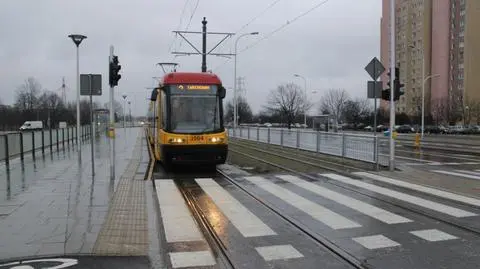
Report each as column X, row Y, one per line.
column 330, row 46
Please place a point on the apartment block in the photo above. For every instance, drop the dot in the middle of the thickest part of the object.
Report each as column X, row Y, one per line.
column 438, row 48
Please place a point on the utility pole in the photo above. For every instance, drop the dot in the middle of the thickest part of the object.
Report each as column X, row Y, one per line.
column 392, row 88
column 204, row 45
column 204, row 51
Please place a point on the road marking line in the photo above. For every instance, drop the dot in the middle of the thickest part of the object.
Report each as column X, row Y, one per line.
column 362, row 207
column 375, row 241
column 452, row 211
column 191, row 259
column 177, row 221
column 428, row 190
column 457, row 174
column 469, row 172
column 279, row 252
column 318, row 212
column 433, row 235
column 245, row 221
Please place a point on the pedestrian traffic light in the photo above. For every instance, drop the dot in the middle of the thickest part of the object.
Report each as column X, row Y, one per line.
column 114, row 77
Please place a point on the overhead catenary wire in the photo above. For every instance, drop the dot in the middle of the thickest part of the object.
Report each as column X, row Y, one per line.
column 189, row 21
column 179, row 25
column 289, row 22
column 257, row 16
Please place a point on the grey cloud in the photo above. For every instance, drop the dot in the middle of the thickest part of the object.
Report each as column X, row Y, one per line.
column 330, row 46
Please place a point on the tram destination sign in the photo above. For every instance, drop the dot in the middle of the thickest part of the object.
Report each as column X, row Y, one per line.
column 193, row 89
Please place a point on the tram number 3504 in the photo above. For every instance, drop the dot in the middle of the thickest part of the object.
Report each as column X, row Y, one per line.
column 197, row 138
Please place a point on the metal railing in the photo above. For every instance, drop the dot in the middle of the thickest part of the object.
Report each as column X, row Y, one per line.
column 353, row 146
column 14, row 144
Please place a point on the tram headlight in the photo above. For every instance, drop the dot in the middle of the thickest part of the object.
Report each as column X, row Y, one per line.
column 176, row 140
column 216, row 139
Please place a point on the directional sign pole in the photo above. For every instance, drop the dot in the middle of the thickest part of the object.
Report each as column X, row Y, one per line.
column 375, row 69
column 91, row 126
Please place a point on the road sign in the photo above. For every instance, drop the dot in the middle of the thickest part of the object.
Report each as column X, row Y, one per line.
column 90, row 81
column 374, row 89
column 375, row 68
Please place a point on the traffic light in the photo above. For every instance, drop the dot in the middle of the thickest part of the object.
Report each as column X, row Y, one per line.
column 386, row 92
column 398, row 86
column 114, row 77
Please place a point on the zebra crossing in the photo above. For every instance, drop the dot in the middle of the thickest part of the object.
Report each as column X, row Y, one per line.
column 180, row 226
column 469, row 174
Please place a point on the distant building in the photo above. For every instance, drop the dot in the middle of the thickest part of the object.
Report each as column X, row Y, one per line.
column 439, row 38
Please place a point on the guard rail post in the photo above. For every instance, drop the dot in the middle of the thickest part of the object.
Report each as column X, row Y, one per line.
column 7, row 153
column 51, row 142
column 21, row 146
column 33, row 144
column 318, row 142
column 258, row 133
column 43, row 142
column 298, row 139
column 56, row 130
column 281, row 137
column 63, row 138
column 268, row 136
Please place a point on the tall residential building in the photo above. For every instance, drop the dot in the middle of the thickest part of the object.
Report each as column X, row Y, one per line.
column 436, row 47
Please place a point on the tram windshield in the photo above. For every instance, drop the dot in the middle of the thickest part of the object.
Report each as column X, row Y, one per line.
column 195, row 113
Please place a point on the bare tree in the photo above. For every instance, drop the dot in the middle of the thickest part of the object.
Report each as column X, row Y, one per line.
column 334, row 102
column 27, row 94
column 244, row 111
column 288, row 101
column 440, row 110
column 356, row 111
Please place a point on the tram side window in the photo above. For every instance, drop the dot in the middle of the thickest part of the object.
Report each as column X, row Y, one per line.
column 163, row 104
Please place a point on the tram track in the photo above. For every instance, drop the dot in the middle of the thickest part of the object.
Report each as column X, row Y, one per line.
column 337, row 168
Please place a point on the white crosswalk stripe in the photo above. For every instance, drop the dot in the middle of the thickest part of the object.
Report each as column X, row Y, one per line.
column 417, row 187
column 457, row 174
column 245, row 221
column 376, row 241
column 178, row 223
column 433, row 235
column 180, row 226
column 362, row 207
column 469, row 172
column 445, row 209
column 318, row 212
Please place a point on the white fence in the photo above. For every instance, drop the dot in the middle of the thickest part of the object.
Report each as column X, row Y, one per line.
column 354, row 146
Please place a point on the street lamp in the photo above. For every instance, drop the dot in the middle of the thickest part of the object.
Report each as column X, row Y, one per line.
column 124, row 107
column 130, row 112
column 77, row 39
column 468, row 117
column 235, row 112
column 423, row 99
column 305, row 102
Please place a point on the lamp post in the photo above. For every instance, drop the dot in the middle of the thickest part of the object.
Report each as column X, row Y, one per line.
column 124, row 108
column 235, row 112
column 423, row 99
column 305, row 100
column 77, row 39
column 130, row 112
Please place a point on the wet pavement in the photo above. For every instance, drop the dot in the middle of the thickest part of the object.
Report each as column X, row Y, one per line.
column 51, row 204
column 382, row 222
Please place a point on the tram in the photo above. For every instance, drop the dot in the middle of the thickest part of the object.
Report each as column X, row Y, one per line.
column 186, row 120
